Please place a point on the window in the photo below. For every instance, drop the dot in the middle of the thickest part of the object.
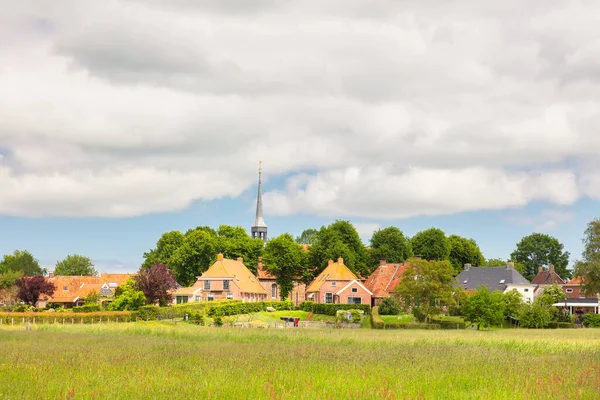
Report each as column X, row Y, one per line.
column 226, row 284
column 211, row 297
column 206, row 285
column 354, row 300
column 199, row 298
column 526, row 290
column 502, row 281
column 274, row 291
column 328, row 297
column 354, row 290
column 230, row 295
column 333, row 284
column 569, row 290
column 182, row 299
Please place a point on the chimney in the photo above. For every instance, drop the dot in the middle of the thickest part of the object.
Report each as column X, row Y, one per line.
column 330, row 262
column 382, row 262
column 240, row 259
column 510, row 265
column 220, row 257
column 551, row 267
column 467, row 267
column 540, row 269
column 340, row 260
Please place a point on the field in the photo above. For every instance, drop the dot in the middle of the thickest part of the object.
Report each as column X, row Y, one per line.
column 151, row 360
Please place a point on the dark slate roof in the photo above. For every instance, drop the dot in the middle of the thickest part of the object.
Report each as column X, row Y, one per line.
column 490, row 276
column 547, row 278
column 582, row 301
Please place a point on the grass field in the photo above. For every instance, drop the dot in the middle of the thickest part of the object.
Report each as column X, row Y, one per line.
column 150, row 360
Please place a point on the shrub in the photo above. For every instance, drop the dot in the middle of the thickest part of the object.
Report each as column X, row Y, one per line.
column 65, row 318
column 331, row 309
column 591, row 320
column 561, row 325
column 378, row 323
column 534, row 315
column 148, row 313
column 87, row 308
column 218, row 320
column 238, row 307
column 389, row 306
column 197, row 318
column 356, row 316
column 449, row 324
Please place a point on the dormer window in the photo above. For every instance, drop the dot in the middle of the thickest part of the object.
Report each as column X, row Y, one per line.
column 65, row 288
column 333, row 283
column 502, row 281
column 465, row 282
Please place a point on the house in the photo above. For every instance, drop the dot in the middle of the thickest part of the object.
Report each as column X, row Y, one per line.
column 545, row 278
column 225, row 279
column 384, row 280
column 337, row 284
column 504, row 278
column 576, row 302
column 269, row 283
column 71, row 290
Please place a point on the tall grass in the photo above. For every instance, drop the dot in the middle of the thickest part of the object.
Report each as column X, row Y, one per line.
column 153, row 360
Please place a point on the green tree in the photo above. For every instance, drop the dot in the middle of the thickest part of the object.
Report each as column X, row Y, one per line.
column 464, row 251
column 286, row 260
column 308, row 236
column 21, row 261
column 588, row 268
column 235, row 242
column 197, row 252
column 168, row 243
column 92, row 298
column 493, row 262
column 431, row 244
column 389, row 306
column 484, row 308
column 390, row 244
column 75, row 264
column 539, row 249
column 426, row 288
column 127, row 297
column 8, row 279
column 534, row 315
column 551, row 295
column 339, row 239
column 513, row 301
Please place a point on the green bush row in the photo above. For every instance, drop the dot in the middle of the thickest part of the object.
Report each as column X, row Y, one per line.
column 66, row 318
column 561, row 325
column 332, row 309
column 591, row 320
column 86, row 308
column 238, row 307
column 378, row 323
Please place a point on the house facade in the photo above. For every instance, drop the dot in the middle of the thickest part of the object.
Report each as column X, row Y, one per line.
column 225, row 279
column 269, row 283
column 338, row 285
column 545, row 278
column 502, row 278
column 384, row 280
column 576, row 303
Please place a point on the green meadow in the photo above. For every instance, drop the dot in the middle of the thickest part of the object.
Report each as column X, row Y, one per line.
column 152, row 360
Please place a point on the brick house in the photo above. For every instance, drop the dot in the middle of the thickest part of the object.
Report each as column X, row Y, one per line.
column 337, row 284
column 384, row 280
column 269, row 283
column 225, row 279
column 576, row 303
column 545, row 278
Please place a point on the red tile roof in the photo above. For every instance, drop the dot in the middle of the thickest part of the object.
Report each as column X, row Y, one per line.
column 547, row 278
column 385, row 278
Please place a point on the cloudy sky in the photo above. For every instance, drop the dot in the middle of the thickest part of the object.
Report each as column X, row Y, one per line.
column 120, row 120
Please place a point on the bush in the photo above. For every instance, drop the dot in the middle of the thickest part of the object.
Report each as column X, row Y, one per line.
column 197, row 318
column 449, row 324
column 65, row 318
column 389, row 306
column 148, row 312
column 534, row 315
column 356, row 316
column 238, row 307
column 331, row 309
column 591, row 320
column 561, row 325
column 218, row 320
column 378, row 323
column 87, row 308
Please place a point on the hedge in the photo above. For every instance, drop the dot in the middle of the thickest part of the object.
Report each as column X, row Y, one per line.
column 449, row 324
column 379, row 323
column 148, row 313
column 332, row 309
column 239, row 307
column 179, row 310
column 65, row 318
column 561, row 325
column 86, row 308
column 591, row 320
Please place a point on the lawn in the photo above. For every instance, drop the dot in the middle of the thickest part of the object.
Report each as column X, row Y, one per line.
column 152, row 360
column 397, row 318
column 262, row 318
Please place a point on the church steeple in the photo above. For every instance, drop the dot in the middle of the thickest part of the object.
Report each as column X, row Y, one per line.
column 259, row 228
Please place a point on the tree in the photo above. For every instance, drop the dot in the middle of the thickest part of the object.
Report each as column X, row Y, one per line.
column 339, row 239
column 21, row 261
column 286, row 260
column 127, row 297
column 389, row 306
column 431, row 244
column 426, row 287
column 493, row 262
column 534, row 315
column 390, row 244
column 75, row 264
column 588, row 268
column 308, row 236
column 464, row 251
column 194, row 256
column 551, row 295
column 32, row 287
column 539, row 249
column 92, row 298
column 156, row 283
column 484, row 308
column 513, row 301
column 168, row 243
column 8, row 287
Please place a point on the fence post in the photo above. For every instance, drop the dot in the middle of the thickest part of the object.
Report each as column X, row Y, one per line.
column 12, row 321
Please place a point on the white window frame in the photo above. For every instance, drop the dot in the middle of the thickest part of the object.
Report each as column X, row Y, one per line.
column 199, row 298
column 354, row 290
column 229, row 295
column 348, row 301
column 274, row 291
column 569, row 290
column 329, row 302
column 225, row 283
column 210, row 297
column 206, row 285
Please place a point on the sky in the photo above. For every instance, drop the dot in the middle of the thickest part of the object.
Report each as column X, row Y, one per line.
column 122, row 120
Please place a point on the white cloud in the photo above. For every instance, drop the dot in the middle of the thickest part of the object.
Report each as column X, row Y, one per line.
column 120, row 108
column 545, row 221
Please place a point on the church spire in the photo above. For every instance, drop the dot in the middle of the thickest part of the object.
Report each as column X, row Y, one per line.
column 259, row 228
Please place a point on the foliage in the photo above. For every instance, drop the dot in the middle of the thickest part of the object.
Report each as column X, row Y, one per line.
column 21, row 261
column 464, row 251
column 31, row 288
column 551, row 295
column 534, row 315
column 198, row 318
column 513, row 300
column 431, row 244
column 539, row 249
column 378, row 323
column 330, row 308
column 127, row 297
column 484, row 308
column 591, row 320
column 389, row 244
column 75, row 264
column 148, row 312
column 92, row 297
column 389, row 306
column 339, row 239
column 238, row 307
column 308, row 236
column 493, row 262
column 9, row 278
column 426, row 288
column 86, row 308
column 218, row 320
column 588, row 268
column 156, row 283
column 356, row 316
column 561, row 325
column 17, row 318
column 286, row 260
